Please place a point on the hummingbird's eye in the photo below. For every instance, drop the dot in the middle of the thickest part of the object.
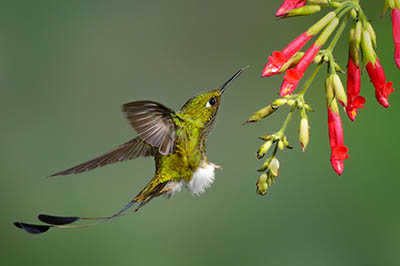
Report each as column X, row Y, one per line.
column 211, row 102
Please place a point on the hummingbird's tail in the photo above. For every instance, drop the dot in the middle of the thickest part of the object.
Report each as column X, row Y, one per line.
column 63, row 222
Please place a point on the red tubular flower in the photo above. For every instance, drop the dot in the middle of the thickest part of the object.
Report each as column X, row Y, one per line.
column 378, row 79
column 396, row 35
column 339, row 151
column 289, row 5
column 383, row 93
column 279, row 58
column 354, row 101
column 293, row 76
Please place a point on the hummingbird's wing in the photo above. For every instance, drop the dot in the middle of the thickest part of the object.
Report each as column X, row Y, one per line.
column 132, row 149
column 154, row 123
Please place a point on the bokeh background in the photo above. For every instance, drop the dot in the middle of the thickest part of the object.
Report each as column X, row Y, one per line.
column 66, row 68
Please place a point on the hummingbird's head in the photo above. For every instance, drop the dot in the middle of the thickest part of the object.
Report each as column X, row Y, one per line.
column 203, row 107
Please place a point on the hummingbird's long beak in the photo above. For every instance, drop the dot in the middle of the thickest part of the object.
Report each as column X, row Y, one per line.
column 237, row 74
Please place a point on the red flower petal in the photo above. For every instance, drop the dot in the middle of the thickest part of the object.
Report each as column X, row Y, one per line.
column 358, row 102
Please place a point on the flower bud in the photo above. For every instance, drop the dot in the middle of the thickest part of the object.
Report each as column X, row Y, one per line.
column 290, row 102
column 327, row 32
column 308, row 108
column 286, row 142
column 358, row 33
column 281, row 146
column 317, row 2
column 353, row 13
column 339, row 89
column 274, row 167
column 318, row 59
column 264, row 149
column 278, row 102
column 266, row 137
column 262, row 185
column 265, row 165
column 354, row 45
column 368, row 51
column 260, row 114
column 304, row 131
column 371, row 31
column 303, row 11
column 317, row 27
column 330, row 95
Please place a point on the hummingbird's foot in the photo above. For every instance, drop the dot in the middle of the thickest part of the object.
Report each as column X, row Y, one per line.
column 216, row 166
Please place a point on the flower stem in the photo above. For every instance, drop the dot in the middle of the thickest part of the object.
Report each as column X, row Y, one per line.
column 310, row 80
column 288, row 118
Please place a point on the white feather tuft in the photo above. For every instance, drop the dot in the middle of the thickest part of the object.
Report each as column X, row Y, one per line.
column 202, row 178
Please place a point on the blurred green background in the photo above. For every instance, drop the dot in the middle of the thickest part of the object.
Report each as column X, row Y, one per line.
column 67, row 67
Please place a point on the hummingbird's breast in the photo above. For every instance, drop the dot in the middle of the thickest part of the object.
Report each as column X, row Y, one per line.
column 202, row 179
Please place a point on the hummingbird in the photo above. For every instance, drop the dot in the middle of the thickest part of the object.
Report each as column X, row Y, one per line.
column 176, row 140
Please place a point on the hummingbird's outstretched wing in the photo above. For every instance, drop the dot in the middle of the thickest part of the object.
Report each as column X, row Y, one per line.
column 132, row 149
column 154, row 123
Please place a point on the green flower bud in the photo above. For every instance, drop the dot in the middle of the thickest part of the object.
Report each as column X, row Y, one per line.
column 371, row 31
column 265, row 165
column 266, row 137
column 308, row 108
column 281, row 146
column 304, row 133
column 353, row 13
column 264, row 149
column 353, row 50
column 368, row 51
column 260, row 114
column 286, row 142
column 358, row 33
column 317, row 59
column 327, row 32
column 330, row 95
column 317, row 2
column 303, row 11
column 339, row 89
column 278, row 102
column 317, row 27
column 290, row 102
column 262, row 185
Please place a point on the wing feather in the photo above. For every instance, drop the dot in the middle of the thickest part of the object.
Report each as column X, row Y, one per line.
column 154, row 124
column 130, row 150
